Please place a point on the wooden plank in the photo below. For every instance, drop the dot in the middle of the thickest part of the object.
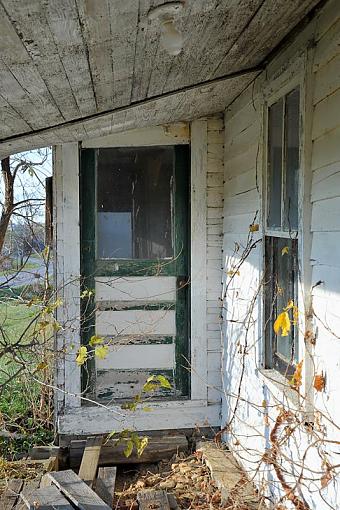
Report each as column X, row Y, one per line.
column 43, row 452
column 28, row 487
column 45, row 498
column 89, row 462
column 105, row 484
column 11, row 494
column 158, row 448
column 136, row 322
column 199, row 149
column 76, row 490
column 153, row 500
column 172, row 134
column 174, row 414
column 147, row 288
column 124, row 384
column 130, row 357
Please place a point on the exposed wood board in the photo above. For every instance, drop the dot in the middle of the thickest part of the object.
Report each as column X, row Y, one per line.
column 147, row 40
column 11, row 494
column 89, row 462
column 171, row 134
column 184, row 106
column 20, row 82
column 159, row 447
column 65, row 26
column 45, row 498
column 199, row 149
column 10, row 117
column 76, row 490
column 135, row 288
column 136, row 322
column 165, row 415
column 117, row 384
column 152, row 499
column 261, row 35
column 105, row 484
column 327, row 17
column 95, row 22
column 30, row 22
column 129, row 357
column 28, row 487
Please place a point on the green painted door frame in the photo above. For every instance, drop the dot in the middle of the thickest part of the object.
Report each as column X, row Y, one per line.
column 177, row 266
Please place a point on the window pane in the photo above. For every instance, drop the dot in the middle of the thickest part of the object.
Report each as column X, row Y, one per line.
column 281, row 287
column 275, row 129
column 134, row 204
column 292, row 159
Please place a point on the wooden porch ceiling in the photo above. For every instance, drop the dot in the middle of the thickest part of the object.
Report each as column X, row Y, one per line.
column 72, row 69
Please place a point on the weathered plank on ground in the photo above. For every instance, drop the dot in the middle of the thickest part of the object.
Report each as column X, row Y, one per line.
column 75, row 490
column 11, row 494
column 28, row 487
column 153, row 500
column 158, row 448
column 89, row 463
column 105, row 484
column 43, row 452
column 45, row 498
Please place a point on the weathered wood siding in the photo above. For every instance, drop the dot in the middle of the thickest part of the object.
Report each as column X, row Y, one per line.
column 214, row 220
column 247, row 386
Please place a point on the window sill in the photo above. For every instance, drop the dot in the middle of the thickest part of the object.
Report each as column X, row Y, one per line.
column 280, row 388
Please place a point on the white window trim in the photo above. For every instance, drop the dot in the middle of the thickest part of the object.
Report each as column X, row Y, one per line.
column 297, row 74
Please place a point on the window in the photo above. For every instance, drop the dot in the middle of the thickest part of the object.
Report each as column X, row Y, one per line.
column 129, row 224
column 281, row 236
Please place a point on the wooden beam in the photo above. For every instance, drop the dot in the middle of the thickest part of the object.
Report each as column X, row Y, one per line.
column 89, row 463
column 105, row 484
column 153, row 500
column 11, row 494
column 158, row 448
column 75, row 490
column 45, row 498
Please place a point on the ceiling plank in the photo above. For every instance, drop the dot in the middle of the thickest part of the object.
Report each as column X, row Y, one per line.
column 29, row 20
column 65, row 25
column 265, row 31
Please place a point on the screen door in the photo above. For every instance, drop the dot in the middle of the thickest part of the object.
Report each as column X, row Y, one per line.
column 134, row 239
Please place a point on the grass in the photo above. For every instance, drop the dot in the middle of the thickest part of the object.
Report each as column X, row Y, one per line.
column 22, row 409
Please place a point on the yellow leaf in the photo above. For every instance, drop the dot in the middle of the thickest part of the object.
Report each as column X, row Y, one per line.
column 82, row 355
column 254, row 227
column 233, row 273
column 289, row 306
column 296, row 380
column 128, row 448
column 102, row 351
column 285, row 250
column 42, row 365
column 282, row 323
column 95, row 340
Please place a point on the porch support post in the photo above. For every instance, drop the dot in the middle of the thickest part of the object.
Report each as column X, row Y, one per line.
column 67, row 241
column 199, row 149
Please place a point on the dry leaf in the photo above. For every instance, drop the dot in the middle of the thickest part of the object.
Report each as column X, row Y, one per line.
column 296, row 380
column 326, row 477
column 285, row 250
column 319, row 382
column 254, row 227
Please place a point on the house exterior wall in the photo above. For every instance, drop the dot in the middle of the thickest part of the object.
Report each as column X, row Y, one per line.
column 206, row 137
column 254, row 397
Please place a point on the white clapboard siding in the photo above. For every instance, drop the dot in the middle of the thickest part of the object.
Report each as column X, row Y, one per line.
column 135, row 288
column 126, row 357
column 326, row 182
column 215, row 195
column 326, row 215
column 136, row 322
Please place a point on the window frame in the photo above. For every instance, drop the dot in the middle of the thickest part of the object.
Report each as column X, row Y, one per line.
column 273, row 90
